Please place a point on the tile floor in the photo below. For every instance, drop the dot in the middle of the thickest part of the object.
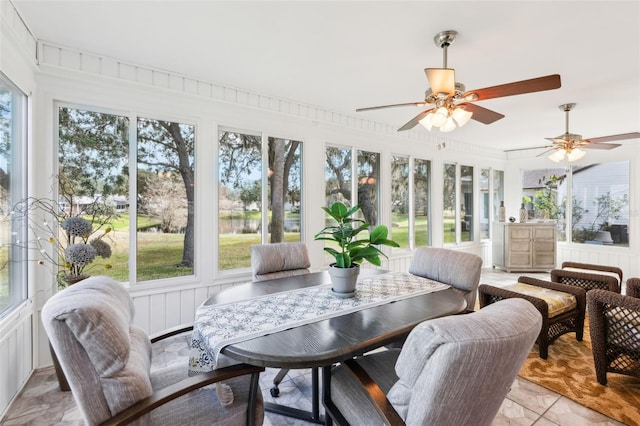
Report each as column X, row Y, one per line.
column 42, row 403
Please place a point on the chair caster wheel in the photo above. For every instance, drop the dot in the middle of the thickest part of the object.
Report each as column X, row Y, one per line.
column 275, row 392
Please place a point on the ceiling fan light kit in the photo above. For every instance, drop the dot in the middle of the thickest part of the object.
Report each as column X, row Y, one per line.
column 448, row 101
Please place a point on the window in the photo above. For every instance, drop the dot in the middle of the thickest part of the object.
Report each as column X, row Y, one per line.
column 239, row 198
column 94, row 155
column 410, row 210
column 545, row 197
column 485, row 176
column 13, row 173
column 600, row 199
column 285, row 180
column 421, row 201
column 449, row 198
column 93, row 178
column 368, row 185
column 338, row 176
column 491, row 195
column 339, row 184
column 498, row 191
column 466, row 206
column 457, row 200
column 165, row 220
column 241, row 202
column 400, row 200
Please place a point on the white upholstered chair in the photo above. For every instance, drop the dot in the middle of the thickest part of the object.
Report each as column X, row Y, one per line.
column 458, row 269
column 279, row 260
column 454, row 371
column 106, row 360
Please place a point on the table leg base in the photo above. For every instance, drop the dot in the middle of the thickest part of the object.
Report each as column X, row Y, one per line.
column 293, row 412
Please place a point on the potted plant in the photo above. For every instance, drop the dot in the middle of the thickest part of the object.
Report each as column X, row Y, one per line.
column 351, row 251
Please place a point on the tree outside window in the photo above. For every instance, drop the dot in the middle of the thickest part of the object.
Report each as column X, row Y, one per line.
column 240, row 199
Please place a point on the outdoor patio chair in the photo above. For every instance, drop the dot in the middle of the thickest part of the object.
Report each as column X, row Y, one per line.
column 614, row 321
column 562, row 306
column 589, row 276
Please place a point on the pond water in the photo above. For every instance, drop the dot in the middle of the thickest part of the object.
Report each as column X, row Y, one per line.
column 253, row 225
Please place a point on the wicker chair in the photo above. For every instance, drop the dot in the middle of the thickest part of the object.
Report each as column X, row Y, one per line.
column 552, row 327
column 589, row 276
column 614, row 322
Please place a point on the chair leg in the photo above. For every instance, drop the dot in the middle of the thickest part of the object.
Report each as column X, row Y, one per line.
column 275, row 391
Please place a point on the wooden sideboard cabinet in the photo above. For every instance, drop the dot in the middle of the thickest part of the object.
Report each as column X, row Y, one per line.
column 529, row 246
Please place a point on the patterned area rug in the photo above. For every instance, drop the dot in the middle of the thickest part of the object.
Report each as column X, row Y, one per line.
column 569, row 371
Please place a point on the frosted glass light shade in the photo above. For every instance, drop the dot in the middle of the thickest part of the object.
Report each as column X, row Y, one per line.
column 461, row 116
column 426, row 121
column 557, row 156
column 439, row 117
column 448, row 125
column 575, row 154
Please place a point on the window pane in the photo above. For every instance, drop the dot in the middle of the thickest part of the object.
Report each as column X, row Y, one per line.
column 601, row 204
column 368, row 177
column 484, row 203
column 544, row 195
column 13, row 282
column 449, row 203
column 93, row 150
column 239, row 199
column 498, row 191
column 285, row 176
column 338, row 184
column 421, row 197
column 337, row 174
column 166, row 183
column 400, row 200
column 466, row 206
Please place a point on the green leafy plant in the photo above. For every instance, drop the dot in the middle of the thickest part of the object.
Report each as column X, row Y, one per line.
column 345, row 233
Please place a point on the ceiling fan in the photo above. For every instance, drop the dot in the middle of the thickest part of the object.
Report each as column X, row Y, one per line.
column 570, row 144
column 449, row 102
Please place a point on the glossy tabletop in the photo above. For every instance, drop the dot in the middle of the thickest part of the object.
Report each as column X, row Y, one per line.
column 332, row 340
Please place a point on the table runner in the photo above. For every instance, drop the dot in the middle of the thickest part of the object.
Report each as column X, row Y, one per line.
column 217, row 326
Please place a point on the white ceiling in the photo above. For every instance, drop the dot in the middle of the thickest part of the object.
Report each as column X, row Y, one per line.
column 344, row 55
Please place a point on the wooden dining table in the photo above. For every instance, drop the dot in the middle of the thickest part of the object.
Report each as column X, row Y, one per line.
column 328, row 341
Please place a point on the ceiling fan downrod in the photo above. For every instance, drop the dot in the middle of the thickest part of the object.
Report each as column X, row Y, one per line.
column 443, row 40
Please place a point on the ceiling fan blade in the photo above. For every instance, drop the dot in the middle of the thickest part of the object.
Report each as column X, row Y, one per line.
column 527, row 149
column 441, row 80
column 419, row 103
column 483, row 115
column 601, row 145
column 414, row 121
column 634, row 135
column 539, row 84
column 545, row 152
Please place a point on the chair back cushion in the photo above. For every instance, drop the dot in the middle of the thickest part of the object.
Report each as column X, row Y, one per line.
column 105, row 358
column 278, row 260
column 458, row 269
column 458, row 369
